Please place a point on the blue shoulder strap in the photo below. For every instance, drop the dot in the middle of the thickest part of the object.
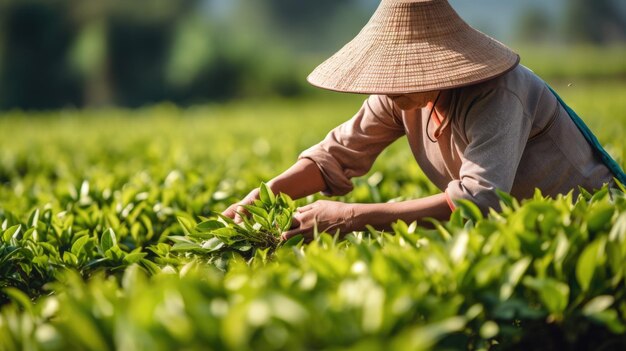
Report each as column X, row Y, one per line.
column 593, row 141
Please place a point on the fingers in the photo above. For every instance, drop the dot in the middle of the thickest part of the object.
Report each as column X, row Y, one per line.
column 233, row 211
column 295, row 221
column 298, row 222
column 239, row 212
column 291, row 233
column 304, row 208
column 301, row 222
column 296, row 227
column 230, row 211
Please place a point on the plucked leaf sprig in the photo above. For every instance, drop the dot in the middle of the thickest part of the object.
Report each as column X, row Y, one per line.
column 262, row 224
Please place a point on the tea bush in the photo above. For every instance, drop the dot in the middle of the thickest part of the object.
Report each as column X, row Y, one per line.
column 111, row 238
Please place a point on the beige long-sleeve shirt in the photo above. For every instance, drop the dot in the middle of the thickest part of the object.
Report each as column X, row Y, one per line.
column 508, row 133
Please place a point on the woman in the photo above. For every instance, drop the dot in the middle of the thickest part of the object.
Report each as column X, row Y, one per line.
column 475, row 119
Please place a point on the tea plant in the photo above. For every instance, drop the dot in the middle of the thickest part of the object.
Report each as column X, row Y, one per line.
column 262, row 224
column 547, row 273
column 111, row 238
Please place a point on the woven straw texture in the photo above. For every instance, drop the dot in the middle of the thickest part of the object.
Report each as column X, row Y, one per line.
column 413, row 46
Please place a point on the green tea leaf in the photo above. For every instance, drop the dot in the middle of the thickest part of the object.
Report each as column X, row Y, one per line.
column 256, row 210
column 96, row 262
column 618, row 232
column 599, row 195
column 598, row 304
column 242, row 247
column 513, row 276
column 12, row 232
column 294, row 241
column 212, row 244
column 20, row 298
column 599, row 216
column 469, row 210
column 425, row 337
column 489, row 330
column 588, row 261
column 180, row 239
column 70, row 259
column 208, row 226
column 225, row 232
column 134, row 257
column 287, row 202
column 150, row 266
column 185, row 247
column 506, row 199
column 108, row 240
column 225, row 220
column 79, row 244
column 33, row 219
column 552, row 293
column 266, row 195
column 458, row 249
column 186, row 224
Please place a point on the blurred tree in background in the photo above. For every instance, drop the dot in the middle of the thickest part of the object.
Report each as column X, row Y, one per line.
column 36, row 38
column 122, row 47
column 535, row 25
column 595, row 21
column 58, row 53
column 313, row 25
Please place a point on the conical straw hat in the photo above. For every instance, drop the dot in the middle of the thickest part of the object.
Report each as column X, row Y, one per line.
column 414, row 46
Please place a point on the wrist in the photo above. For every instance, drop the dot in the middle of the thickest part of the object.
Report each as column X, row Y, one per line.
column 374, row 214
column 354, row 217
column 274, row 185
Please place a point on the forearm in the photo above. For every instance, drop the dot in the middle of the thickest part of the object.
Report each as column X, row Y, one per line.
column 382, row 215
column 302, row 179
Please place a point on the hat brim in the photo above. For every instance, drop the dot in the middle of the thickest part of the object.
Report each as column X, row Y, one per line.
column 433, row 51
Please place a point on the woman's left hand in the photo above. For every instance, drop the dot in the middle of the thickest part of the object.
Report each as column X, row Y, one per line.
column 327, row 216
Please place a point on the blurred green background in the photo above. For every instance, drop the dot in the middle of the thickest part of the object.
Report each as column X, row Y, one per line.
column 78, row 53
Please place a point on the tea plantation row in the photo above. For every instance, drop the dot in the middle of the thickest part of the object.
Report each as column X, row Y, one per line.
column 109, row 239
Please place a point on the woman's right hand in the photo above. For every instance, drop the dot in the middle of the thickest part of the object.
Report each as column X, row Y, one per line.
column 234, row 210
column 302, row 179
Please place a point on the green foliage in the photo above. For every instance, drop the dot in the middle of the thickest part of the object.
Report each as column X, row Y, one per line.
column 111, row 238
column 574, row 64
column 484, row 284
column 257, row 235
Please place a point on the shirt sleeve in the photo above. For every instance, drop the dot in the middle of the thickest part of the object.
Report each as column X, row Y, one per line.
column 350, row 149
column 496, row 131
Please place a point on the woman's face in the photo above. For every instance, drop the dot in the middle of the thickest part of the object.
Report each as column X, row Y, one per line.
column 413, row 100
